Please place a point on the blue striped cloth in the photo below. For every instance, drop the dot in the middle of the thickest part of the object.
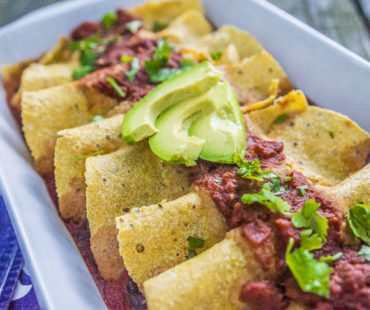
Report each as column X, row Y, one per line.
column 16, row 291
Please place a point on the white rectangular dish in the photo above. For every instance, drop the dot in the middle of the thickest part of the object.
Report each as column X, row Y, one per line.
column 330, row 75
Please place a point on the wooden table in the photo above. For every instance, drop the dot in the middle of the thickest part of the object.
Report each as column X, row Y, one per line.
column 345, row 21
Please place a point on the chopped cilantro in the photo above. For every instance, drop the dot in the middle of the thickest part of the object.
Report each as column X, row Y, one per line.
column 80, row 157
column 310, row 241
column 193, row 244
column 310, row 218
column 281, row 118
column 134, row 25
column 359, row 220
column 329, row 259
column 158, row 26
column 252, row 170
column 186, row 63
column 156, row 65
column 116, row 87
column 275, row 185
column 365, row 251
column 312, row 275
column 109, row 20
column 331, row 134
column 88, row 57
column 127, row 58
column 82, row 71
column 302, row 189
column 288, row 179
column 267, row 198
column 218, row 180
column 134, row 69
column 163, row 74
column 216, row 55
column 96, row 118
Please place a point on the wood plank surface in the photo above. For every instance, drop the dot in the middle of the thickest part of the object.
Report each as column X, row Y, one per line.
column 338, row 19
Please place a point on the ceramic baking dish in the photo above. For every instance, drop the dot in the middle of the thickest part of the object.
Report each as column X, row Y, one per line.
column 329, row 74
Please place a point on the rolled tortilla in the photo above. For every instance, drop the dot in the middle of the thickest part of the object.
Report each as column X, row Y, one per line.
column 325, row 142
column 211, row 280
column 153, row 239
column 251, row 78
column 47, row 111
column 72, row 148
column 129, row 177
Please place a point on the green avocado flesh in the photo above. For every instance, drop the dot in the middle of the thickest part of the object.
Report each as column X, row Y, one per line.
column 209, row 126
column 139, row 123
column 223, row 130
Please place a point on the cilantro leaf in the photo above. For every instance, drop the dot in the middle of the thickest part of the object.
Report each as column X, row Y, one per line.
column 193, row 244
column 125, row 58
column 159, row 61
column 312, row 275
column 96, row 118
column 281, row 118
column 302, row 189
column 216, row 55
column 365, row 251
column 331, row 133
column 134, row 25
column 310, row 241
column 80, row 72
column 116, row 87
column 134, row 69
column 329, row 259
column 359, row 220
column 267, row 198
column 109, row 20
column 163, row 74
column 310, row 218
column 186, row 63
column 158, row 26
column 252, row 170
column 80, row 157
column 288, row 179
column 275, row 185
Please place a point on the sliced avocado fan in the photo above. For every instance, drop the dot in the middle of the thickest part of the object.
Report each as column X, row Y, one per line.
column 139, row 123
column 214, row 123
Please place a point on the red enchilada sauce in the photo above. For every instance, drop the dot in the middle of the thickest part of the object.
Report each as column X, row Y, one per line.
column 267, row 232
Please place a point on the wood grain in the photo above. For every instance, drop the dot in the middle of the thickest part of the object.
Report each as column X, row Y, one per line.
column 338, row 19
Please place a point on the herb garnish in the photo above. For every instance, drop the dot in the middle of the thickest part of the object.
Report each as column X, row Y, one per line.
column 252, row 170
column 288, row 179
column 331, row 134
column 359, row 220
column 329, row 259
column 302, row 189
column 80, row 157
column 109, row 20
column 281, row 118
column 365, row 251
column 309, row 217
column 193, row 244
column 267, row 198
column 310, row 241
column 158, row 26
column 82, row 71
column 96, row 118
column 275, row 185
column 216, row 55
column 312, row 275
column 134, row 69
column 127, row 58
column 134, row 25
column 116, row 87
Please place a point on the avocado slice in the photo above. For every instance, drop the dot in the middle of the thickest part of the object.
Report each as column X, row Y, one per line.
column 139, row 123
column 172, row 143
column 209, row 126
column 222, row 130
